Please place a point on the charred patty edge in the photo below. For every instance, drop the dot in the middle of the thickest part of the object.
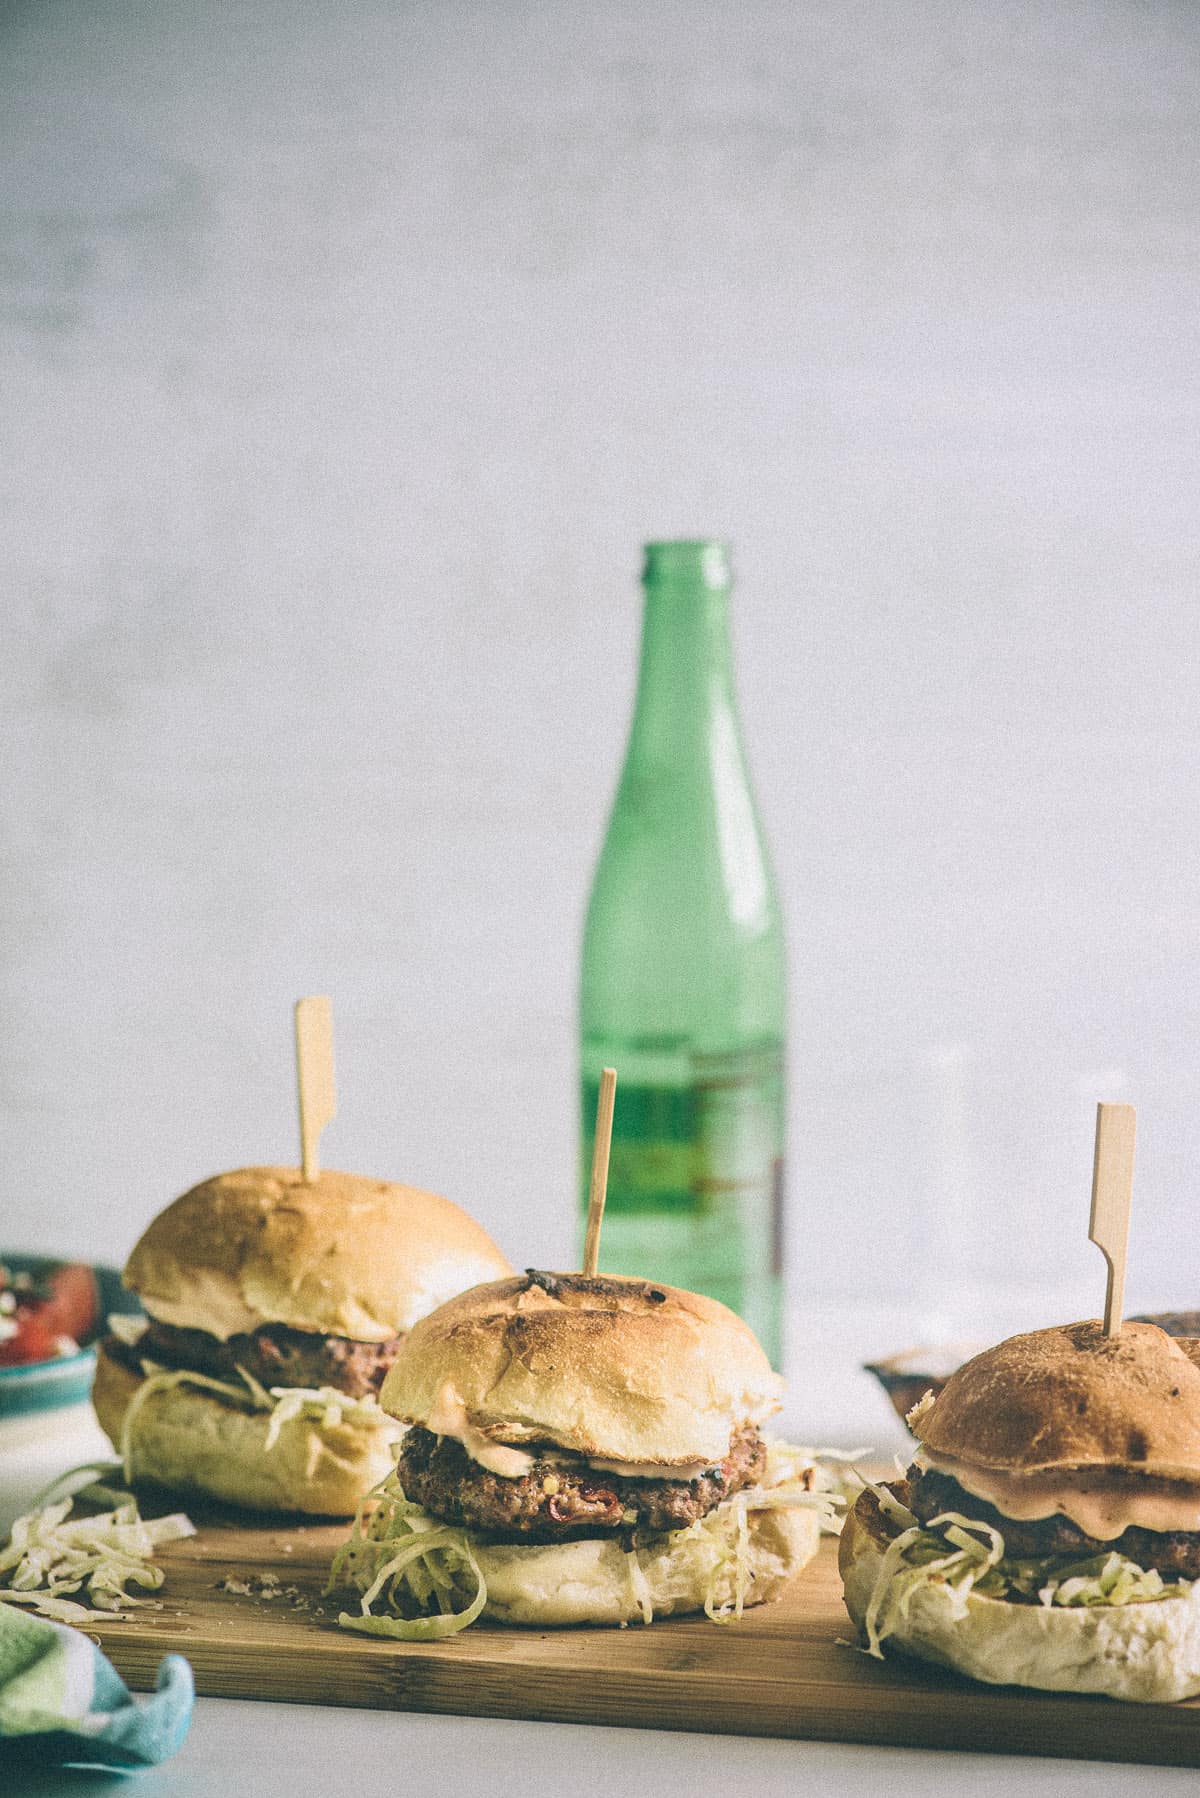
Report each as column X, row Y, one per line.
column 1173, row 1552
column 274, row 1355
column 561, row 1499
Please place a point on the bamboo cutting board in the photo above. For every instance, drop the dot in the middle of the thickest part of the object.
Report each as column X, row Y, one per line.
column 780, row 1672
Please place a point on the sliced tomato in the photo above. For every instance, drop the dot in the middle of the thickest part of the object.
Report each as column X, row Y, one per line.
column 74, row 1301
column 32, row 1342
column 66, row 1303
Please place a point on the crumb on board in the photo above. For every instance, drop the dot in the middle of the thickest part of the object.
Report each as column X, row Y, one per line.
column 264, row 1585
column 242, row 1586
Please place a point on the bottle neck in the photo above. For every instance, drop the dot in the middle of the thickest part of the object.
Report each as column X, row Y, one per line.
column 685, row 675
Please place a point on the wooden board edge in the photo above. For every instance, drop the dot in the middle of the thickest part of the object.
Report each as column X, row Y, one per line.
column 382, row 1679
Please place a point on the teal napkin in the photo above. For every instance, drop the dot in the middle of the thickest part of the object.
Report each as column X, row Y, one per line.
column 62, row 1702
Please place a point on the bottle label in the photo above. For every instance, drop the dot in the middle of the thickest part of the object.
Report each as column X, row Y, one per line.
column 738, row 1167
column 695, row 1181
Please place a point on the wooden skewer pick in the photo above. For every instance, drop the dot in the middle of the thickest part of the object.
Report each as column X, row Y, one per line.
column 599, row 1186
column 1112, row 1189
column 314, row 1072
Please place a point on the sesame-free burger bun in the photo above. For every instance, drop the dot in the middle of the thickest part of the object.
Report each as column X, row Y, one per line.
column 1148, row 1651
column 613, row 1368
column 588, row 1581
column 193, row 1440
column 344, row 1256
column 1072, row 1397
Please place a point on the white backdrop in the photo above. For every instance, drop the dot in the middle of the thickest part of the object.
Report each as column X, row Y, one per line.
column 348, row 355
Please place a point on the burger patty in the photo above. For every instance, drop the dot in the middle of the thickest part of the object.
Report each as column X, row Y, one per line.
column 1174, row 1552
column 559, row 1500
column 274, row 1355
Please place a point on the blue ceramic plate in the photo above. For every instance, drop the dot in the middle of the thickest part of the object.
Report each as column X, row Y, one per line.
column 67, row 1380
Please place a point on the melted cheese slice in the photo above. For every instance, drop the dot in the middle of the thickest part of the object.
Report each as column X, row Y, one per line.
column 448, row 1417
column 1103, row 1504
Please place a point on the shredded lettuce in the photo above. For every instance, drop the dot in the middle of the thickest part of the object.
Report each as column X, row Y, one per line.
column 1108, row 1579
column 327, row 1403
column 50, row 1553
column 717, row 1546
column 964, row 1557
column 727, row 1552
column 426, row 1582
column 283, row 1402
column 824, row 1479
column 921, row 1409
column 424, row 1572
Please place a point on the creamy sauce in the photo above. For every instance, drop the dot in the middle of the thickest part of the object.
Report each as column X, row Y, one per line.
column 448, row 1417
column 209, row 1305
column 650, row 1470
column 1102, row 1504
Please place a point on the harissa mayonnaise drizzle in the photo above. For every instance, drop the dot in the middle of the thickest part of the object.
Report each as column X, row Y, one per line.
column 1103, row 1504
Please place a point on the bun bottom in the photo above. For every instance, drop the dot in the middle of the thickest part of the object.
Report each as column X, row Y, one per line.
column 589, row 1581
column 1149, row 1653
column 192, row 1441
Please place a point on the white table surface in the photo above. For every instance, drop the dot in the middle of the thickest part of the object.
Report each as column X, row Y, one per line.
column 291, row 1750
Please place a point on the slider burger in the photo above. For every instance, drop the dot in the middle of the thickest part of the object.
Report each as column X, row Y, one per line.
column 581, row 1450
column 275, row 1309
column 1048, row 1532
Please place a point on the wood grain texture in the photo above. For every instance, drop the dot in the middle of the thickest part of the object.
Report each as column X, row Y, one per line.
column 783, row 1671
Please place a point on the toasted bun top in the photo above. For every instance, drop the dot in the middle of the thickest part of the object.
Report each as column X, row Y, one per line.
column 345, row 1256
column 616, row 1369
column 1072, row 1397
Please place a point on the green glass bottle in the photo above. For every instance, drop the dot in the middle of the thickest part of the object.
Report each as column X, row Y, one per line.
column 683, row 981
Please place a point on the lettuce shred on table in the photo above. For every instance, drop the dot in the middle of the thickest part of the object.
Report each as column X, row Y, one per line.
column 51, row 1554
column 282, row 1402
column 419, row 1578
column 964, row 1557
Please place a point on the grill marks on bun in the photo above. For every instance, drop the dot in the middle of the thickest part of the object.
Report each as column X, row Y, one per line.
column 592, row 1446
column 593, row 1288
column 1102, row 1430
column 612, row 1369
column 1072, row 1397
column 1077, row 1457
